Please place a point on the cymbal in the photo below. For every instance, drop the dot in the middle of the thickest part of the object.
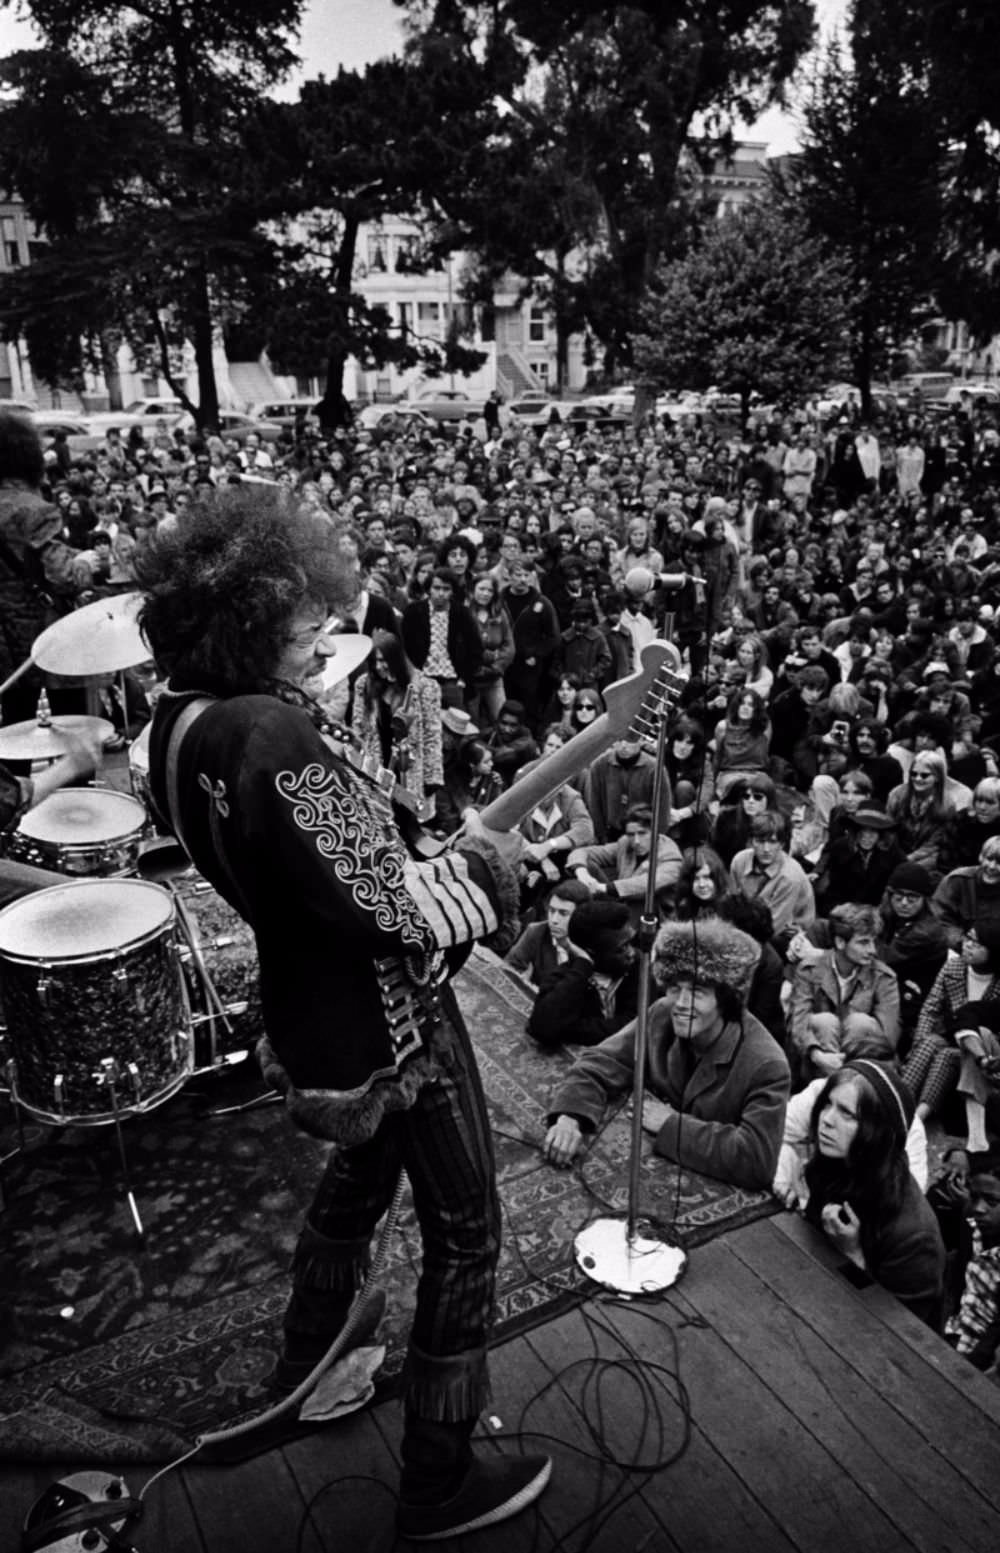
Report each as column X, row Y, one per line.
column 100, row 638
column 27, row 741
column 352, row 650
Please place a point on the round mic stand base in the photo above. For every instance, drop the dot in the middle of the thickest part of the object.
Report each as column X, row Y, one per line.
column 630, row 1264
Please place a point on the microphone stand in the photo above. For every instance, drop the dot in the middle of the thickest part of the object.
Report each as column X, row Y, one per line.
column 624, row 1254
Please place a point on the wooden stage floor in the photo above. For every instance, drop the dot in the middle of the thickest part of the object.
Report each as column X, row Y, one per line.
column 764, row 1404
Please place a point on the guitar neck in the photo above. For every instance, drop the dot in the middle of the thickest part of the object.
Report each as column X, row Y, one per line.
column 531, row 789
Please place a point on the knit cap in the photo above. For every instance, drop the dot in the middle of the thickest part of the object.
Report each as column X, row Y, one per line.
column 895, row 1096
column 911, row 876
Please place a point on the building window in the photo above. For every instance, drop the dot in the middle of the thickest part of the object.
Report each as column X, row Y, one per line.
column 11, row 246
column 405, row 316
column 376, row 253
column 536, row 325
column 429, row 319
column 407, row 255
column 541, row 370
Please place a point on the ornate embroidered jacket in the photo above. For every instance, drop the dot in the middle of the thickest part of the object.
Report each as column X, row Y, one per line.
column 355, row 938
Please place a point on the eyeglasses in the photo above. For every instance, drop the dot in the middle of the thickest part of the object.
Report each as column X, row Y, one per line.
column 756, row 792
column 906, row 895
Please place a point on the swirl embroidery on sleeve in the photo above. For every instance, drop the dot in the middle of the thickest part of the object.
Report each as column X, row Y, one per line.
column 362, row 859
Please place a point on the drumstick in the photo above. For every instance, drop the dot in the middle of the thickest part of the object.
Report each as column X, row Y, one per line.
column 13, row 678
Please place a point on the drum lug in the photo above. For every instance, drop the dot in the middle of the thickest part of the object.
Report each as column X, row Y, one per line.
column 42, row 988
column 120, row 975
column 57, row 1093
column 134, row 1080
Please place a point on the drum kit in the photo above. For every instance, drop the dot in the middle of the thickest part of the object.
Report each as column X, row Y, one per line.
column 120, row 984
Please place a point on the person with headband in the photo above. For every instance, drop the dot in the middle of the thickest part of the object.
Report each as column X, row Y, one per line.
column 861, row 1192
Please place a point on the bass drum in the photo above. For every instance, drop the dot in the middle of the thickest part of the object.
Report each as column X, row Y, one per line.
column 91, row 991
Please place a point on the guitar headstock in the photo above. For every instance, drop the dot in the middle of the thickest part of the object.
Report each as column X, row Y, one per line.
column 634, row 706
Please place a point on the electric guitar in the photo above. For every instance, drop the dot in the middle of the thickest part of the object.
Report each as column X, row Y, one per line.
column 633, row 708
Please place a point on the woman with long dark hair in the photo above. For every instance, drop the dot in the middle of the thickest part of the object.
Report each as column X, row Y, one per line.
column 701, row 884
column 397, row 718
column 861, row 1193
column 686, row 765
column 742, row 739
column 497, row 635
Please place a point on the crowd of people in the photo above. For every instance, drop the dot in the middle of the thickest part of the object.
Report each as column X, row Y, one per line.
column 825, row 860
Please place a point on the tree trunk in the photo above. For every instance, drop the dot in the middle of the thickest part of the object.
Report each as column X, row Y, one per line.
column 334, row 408
column 109, row 367
column 864, row 361
column 204, row 340
column 562, row 354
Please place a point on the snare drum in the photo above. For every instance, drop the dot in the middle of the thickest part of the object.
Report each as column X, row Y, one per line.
column 89, row 971
column 82, row 830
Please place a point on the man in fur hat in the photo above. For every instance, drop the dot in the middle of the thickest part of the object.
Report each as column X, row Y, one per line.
column 718, row 1083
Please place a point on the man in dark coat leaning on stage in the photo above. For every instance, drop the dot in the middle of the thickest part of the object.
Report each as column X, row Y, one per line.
column 718, row 1083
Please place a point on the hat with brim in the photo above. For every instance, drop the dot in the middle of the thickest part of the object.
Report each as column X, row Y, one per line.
column 871, row 816
column 458, row 722
column 936, row 668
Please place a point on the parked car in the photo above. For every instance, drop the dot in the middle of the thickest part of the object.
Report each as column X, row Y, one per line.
column 536, row 409
column 986, row 395
column 234, row 425
column 446, row 404
column 681, row 407
column 926, row 387
column 283, row 412
column 393, row 418
column 169, row 409
column 836, row 396
column 85, row 433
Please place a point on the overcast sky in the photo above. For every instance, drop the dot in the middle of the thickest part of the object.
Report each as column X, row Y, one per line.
column 352, row 32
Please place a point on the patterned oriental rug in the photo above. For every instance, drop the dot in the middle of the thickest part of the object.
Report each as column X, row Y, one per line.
column 114, row 1352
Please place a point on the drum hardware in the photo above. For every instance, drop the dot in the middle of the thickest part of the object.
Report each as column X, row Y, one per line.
column 107, row 1074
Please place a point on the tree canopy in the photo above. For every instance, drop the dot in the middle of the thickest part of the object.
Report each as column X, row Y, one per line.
column 868, row 182
column 755, row 307
column 579, row 187
column 121, row 135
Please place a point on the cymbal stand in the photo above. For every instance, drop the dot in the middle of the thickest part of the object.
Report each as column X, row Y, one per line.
column 625, row 1254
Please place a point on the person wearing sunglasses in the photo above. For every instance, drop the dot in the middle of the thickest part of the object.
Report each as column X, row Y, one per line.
column 743, row 803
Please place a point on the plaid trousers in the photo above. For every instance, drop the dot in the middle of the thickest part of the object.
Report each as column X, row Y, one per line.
column 443, row 1143
column 931, row 1071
